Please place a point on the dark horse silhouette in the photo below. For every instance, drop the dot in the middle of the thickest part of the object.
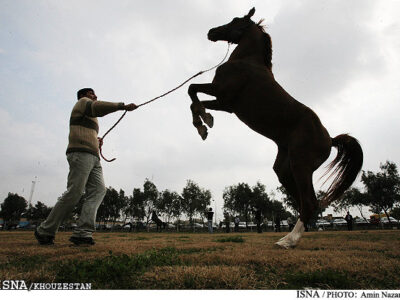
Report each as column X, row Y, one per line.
column 245, row 86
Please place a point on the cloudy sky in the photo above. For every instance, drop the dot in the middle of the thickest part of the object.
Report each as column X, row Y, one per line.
column 341, row 58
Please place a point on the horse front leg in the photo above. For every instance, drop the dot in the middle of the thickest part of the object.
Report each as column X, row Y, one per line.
column 199, row 113
column 216, row 105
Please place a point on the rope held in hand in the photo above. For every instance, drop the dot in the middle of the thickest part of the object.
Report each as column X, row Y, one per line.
column 158, row 97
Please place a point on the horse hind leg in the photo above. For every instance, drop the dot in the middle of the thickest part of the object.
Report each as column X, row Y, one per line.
column 285, row 176
column 308, row 205
column 291, row 239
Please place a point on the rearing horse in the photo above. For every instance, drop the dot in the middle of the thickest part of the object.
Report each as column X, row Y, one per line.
column 245, row 86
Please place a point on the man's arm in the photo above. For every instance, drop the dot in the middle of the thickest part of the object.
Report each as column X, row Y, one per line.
column 102, row 108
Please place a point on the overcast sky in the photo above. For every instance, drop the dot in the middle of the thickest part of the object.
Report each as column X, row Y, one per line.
column 341, row 58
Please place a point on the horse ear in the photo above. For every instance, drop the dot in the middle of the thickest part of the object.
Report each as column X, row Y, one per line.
column 251, row 12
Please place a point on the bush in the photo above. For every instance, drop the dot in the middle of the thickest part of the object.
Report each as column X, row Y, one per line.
column 233, row 239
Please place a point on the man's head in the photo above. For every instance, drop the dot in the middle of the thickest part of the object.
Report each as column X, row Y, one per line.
column 87, row 92
column 210, row 209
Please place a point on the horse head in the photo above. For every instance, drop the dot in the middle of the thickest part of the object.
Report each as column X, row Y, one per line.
column 233, row 31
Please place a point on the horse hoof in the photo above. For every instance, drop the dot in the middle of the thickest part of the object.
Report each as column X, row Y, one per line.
column 202, row 130
column 283, row 244
column 281, row 239
column 208, row 119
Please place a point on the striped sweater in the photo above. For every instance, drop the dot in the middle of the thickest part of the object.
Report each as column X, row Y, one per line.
column 83, row 124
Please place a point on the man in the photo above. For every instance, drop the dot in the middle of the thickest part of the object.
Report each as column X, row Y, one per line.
column 349, row 220
column 227, row 220
column 85, row 172
column 237, row 221
column 210, row 215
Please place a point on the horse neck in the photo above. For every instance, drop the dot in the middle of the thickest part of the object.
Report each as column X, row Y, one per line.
column 251, row 47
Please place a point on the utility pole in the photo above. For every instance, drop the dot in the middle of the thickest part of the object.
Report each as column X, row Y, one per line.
column 215, row 212
column 32, row 190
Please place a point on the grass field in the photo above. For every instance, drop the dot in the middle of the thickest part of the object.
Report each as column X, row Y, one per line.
column 326, row 260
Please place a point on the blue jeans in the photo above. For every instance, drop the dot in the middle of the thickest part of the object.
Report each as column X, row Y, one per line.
column 85, row 177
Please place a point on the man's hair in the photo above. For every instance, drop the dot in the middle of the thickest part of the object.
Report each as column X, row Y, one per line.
column 82, row 92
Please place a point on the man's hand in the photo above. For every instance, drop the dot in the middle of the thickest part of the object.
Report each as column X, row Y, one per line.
column 130, row 107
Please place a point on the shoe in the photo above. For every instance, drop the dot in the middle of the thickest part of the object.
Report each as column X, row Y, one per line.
column 44, row 239
column 82, row 240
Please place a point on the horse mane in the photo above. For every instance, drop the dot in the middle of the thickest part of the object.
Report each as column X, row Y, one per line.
column 268, row 43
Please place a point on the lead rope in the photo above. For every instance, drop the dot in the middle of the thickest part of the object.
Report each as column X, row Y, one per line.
column 147, row 102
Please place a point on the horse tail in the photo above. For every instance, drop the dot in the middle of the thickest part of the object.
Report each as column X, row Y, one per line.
column 346, row 166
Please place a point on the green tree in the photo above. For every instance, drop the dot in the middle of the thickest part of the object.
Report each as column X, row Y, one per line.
column 205, row 200
column 382, row 188
column 396, row 212
column 113, row 205
column 165, row 203
column 261, row 200
column 238, row 199
column 121, row 205
column 150, row 197
column 12, row 208
column 194, row 200
column 110, row 208
column 38, row 213
column 241, row 199
column 177, row 210
column 104, row 211
column 351, row 198
column 135, row 207
column 279, row 210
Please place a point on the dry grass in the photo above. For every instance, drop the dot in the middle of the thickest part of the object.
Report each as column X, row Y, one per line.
column 329, row 260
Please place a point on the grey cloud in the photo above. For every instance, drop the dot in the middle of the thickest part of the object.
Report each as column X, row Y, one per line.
column 321, row 46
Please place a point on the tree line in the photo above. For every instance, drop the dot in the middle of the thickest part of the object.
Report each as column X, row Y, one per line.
column 117, row 206
column 191, row 205
column 381, row 193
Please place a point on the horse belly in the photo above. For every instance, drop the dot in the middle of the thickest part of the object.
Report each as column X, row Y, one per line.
column 267, row 113
column 263, row 126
